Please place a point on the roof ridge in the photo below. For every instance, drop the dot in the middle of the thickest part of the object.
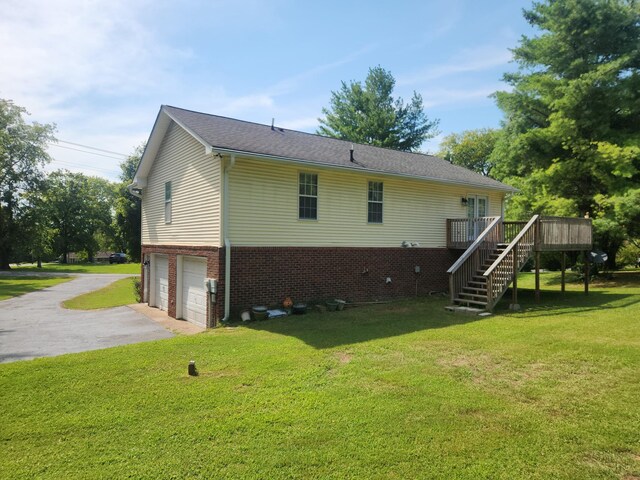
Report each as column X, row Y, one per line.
column 307, row 133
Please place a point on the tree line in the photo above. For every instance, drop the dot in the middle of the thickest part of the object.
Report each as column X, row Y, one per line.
column 47, row 216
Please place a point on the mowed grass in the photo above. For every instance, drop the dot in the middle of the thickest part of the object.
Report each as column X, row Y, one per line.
column 13, row 286
column 123, row 268
column 403, row 390
column 121, row 292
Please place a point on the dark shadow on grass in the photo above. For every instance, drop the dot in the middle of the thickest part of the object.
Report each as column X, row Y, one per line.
column 15, row 357
column 553, row 303
column 361, row 324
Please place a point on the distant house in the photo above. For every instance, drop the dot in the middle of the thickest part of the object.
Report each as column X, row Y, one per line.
column 270, row 213
column 75, row 257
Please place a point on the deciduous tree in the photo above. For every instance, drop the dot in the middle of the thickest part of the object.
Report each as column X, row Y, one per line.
column 470, row 149
column 22, row 156
column 128, row 209
column 79, row 208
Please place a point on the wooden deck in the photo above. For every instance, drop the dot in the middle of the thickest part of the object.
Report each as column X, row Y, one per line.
column 495, row 251
column 561, row 234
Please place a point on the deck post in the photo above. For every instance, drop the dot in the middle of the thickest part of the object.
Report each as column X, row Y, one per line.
column 586, row 273
column 452, row 292
column 537, row 258
column 514, row 289
column 563, row 269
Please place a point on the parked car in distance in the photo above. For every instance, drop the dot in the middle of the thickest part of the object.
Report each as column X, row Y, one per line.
column 118, row 258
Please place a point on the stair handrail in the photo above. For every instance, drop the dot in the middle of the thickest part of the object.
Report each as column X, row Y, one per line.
column 522, row 257
column 469, row 257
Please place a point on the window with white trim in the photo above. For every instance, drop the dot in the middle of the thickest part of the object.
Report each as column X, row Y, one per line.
column 308, row 196
column 374, row 208
column 167, row 202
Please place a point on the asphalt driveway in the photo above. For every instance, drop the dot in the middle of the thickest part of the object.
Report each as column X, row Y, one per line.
column 35, row 325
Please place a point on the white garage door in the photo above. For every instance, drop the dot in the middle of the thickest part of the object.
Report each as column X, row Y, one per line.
column 161, row 282
column 194, row 297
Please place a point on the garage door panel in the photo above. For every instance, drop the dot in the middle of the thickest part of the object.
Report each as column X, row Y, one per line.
column 194, row 297
column 161, row 282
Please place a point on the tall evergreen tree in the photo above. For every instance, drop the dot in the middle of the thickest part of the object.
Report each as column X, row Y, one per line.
column 571, row 140
column 370, row 114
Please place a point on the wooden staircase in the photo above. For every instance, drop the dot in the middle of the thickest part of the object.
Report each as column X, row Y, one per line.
column 491, row 260
column 474, row 293
column 483, row 273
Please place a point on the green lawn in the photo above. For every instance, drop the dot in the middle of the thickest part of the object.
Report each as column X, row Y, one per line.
column 80, row 268
column 399, row 391
column 13, row 286
column 116, row 294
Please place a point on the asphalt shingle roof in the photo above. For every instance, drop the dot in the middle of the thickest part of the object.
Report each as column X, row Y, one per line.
column 241, row 136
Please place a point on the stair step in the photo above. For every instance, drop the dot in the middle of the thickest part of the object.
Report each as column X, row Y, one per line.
column 467, row 301
column 472, row 296
column 475, row 290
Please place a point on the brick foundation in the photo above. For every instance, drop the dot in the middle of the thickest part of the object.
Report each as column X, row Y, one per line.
column 266, row 275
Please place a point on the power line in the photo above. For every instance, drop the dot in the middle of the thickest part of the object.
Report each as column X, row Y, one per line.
column 85, row 151
column 90, row 147
column 86, row 167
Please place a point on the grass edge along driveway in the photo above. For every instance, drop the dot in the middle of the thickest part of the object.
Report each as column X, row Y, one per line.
column 403, row 390
column 120, row 292
column 117, row 268
column 14, row 285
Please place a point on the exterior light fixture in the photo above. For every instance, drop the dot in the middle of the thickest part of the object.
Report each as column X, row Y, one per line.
column 464, row 201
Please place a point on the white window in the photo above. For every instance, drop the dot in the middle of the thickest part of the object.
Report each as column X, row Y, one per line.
column 308, row 196
column 374, row 208
column 167, row 202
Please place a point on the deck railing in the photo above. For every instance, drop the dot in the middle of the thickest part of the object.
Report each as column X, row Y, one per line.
column 511, row 230
column 462, row 232
column 468, row 264
column 562, row 233
column 556, row 233
column 505, row 268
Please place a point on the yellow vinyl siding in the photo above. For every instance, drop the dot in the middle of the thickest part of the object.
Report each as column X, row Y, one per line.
column 196, row 193
column 264, row 208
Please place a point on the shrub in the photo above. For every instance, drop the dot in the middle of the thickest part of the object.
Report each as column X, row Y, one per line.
column 137, row 289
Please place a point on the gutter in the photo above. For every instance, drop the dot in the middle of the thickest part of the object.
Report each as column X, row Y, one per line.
column 227, row 241
column 135, row 188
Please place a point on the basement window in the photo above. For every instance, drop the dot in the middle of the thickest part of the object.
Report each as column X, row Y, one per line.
column 308, row 196
column 374, row 208
column 167, row 202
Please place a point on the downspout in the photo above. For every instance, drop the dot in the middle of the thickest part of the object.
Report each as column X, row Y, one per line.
column 227, row 242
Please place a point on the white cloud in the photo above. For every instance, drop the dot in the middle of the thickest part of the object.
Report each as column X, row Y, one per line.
column 56, row 53
column 445, row 96
column 468, row 60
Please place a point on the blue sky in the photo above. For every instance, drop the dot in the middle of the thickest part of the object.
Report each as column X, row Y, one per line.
column 101, row 69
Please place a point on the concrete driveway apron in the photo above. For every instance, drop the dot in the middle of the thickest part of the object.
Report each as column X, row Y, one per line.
column 35, row 325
